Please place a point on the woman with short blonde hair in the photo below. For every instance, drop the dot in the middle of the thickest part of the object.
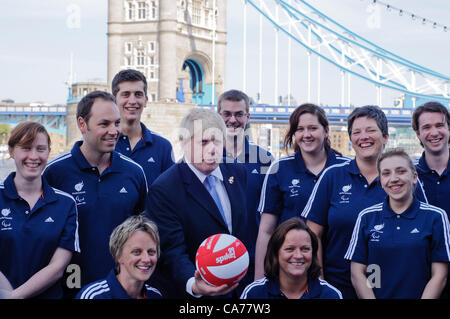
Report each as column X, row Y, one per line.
column 134, row 245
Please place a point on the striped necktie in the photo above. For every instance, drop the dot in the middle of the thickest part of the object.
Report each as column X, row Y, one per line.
column 210, row 184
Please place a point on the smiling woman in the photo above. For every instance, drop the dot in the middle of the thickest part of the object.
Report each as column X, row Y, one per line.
column 290, row 180
column 51, row 234
column 134, row 245
column 398, row 177
column 291, row 266
column 397, row 234
column 29, row 146
column 344, row 190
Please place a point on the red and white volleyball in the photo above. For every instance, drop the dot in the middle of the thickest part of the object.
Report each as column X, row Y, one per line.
column 222, row 259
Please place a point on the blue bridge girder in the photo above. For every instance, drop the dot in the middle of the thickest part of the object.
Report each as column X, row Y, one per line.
column 348, row 52
column 52, row 117
column 337, row 115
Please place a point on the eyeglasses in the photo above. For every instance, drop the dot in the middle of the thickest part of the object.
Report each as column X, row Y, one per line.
column 237, row 115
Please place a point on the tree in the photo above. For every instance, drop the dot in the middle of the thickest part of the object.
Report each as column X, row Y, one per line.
column 5, row 129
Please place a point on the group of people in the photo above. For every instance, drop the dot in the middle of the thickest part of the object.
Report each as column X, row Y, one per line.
column 316, row 224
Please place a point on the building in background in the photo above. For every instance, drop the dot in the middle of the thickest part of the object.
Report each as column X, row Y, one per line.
column 179, row 45
column 53, row 117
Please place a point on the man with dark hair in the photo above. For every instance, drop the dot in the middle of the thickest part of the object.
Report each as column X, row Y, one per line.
column 107, row 186
column 431, row 122
column 85, row 105
column 233, row 106
column 151, row 151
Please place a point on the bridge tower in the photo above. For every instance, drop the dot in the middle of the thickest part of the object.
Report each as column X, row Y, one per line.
column 179, row 45
column 172, row 42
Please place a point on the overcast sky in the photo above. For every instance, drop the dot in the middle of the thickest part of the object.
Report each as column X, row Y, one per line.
column 38, row 36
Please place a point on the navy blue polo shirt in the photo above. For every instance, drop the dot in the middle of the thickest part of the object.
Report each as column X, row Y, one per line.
column 104, row 201
column 269, row 289
column 437, row 188
column 402, row 245
column 30, row 237
column 153, row 152
column 340, row 194
column 289, row 183
column 257, row 161
column 110, row 288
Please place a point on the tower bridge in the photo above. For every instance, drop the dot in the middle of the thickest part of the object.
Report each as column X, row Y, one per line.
column 337, row 115
column 181, row 47
column 268, row 126
column 52, row 117
column 267, row 123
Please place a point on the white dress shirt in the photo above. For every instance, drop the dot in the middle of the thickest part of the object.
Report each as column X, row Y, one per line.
column 220, row 189
column 226, row 205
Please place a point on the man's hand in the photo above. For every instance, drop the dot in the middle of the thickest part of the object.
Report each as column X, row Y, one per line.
column 6, row 290
column 200, row 287
column 6, row 294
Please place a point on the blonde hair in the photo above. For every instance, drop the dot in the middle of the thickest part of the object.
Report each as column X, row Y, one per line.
column 123, row 232
column 203, row 119
column 396, row 152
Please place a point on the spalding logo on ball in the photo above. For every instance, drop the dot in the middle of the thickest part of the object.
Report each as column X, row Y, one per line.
column 222, row 259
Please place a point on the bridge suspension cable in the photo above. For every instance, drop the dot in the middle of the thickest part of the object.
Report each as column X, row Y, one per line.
column 350, row 53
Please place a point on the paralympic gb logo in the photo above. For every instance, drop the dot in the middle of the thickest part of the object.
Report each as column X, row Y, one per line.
column 79, row 193
column 6, row 220
column 375, row 232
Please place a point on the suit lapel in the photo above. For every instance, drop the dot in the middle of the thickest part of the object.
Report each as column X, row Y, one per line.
column 199, row 193
column 230, row 185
